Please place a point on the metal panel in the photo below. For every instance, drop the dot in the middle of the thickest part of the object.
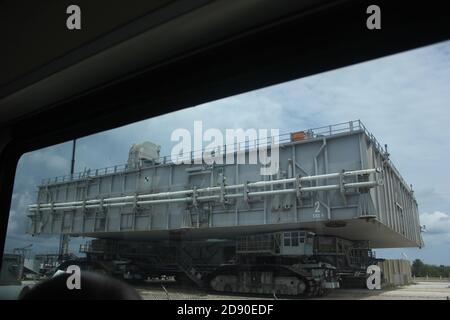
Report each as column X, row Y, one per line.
column 332, row 149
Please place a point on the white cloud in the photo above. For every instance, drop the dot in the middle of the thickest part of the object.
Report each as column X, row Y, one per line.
column 436, row 222
column 46, row 158
column 18, row 215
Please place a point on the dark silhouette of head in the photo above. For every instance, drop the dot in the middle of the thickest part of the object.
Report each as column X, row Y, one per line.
column 93, row 286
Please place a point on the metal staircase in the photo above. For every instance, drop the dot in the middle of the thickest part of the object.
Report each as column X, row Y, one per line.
column 185, row 263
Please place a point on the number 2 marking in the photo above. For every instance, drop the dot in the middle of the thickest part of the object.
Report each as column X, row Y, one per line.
column 317, row 207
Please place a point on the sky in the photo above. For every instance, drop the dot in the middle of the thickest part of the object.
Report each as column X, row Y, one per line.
column 403, row 99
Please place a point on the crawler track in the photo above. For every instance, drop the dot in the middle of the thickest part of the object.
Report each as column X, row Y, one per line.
column 241, row 281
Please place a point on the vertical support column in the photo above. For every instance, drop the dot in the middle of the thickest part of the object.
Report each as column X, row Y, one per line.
column 236, row 182
column 112, row 181
column 361, row 151
column 327, row 194
column 134, row 212
column 294, row 174
column 388, row 221
column 169, row 189
column 322, row 149
column 265, row 202
column 389, row 197
column 376, row 191
column 124, row 177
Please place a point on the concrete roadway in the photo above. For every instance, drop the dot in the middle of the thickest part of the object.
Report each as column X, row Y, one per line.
column 421, row 290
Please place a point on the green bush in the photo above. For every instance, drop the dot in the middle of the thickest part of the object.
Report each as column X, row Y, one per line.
column 420, row 269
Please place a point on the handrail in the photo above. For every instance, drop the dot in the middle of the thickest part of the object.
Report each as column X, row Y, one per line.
column 329, row 130
column 323, row 131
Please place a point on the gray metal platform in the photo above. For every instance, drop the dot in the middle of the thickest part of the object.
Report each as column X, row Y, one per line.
column 166, row 200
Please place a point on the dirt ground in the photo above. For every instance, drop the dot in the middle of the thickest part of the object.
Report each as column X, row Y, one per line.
column 421, row 290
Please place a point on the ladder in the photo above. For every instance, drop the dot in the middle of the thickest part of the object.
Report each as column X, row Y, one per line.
column 185, row 263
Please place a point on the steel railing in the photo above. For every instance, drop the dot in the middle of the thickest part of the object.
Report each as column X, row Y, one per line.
column 312, row 133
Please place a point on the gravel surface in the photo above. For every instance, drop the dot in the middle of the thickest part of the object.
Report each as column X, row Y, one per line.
column 423, row 290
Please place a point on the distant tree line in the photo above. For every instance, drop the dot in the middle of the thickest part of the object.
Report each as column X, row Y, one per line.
column 420, row 269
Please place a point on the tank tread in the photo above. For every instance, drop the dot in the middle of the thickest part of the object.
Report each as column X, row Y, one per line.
column 313, row 288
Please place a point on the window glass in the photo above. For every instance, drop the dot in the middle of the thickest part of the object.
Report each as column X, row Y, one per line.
column 287, row 239
column 295, row 239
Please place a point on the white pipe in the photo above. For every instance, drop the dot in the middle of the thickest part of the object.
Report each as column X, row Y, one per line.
column 337, row 175
column 270, row 192
column 317, row 188
column 65, row 206
column 211, row 189
column 214, row 197
column 164, row 201
column 165, row 194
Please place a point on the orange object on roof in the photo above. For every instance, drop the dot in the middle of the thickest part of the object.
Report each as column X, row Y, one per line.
column 298, row 136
